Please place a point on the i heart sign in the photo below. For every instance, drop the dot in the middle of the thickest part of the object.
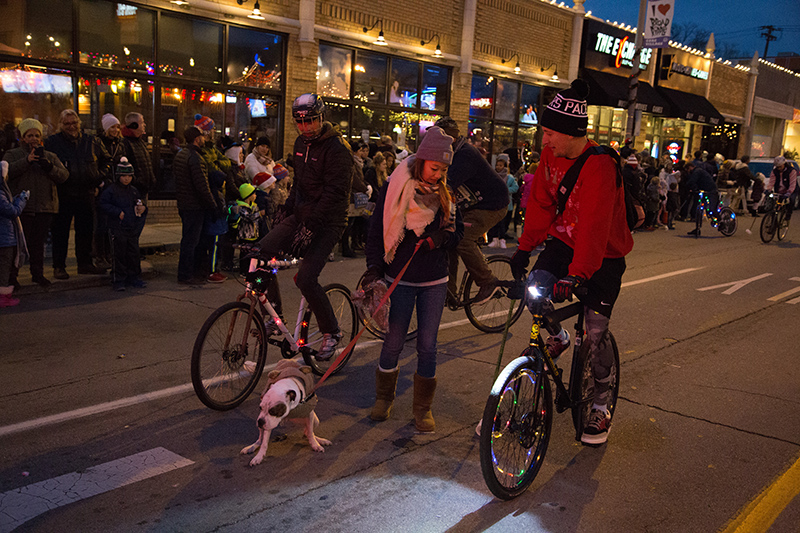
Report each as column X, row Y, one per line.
column 664, row 8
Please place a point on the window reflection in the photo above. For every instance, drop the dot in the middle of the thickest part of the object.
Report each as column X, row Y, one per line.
column 506, row 101
column 40, row 29
column 404, row 81
column 98, row 96
column 529, row 104
column 338, row 115
column 367, row 123
column 42, row 94
column 370, row 78
column 190, row 48
column 481, row 96
column 435, row 88
column 333, row 72
column 115, row 36
column 254, row 58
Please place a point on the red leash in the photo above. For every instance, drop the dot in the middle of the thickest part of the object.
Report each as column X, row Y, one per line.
column 352, row 344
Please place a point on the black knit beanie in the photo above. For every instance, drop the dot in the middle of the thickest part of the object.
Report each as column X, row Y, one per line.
column 566, row 113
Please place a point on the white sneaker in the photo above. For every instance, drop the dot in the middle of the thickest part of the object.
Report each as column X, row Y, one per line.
column 329, row 343
column 495, row 243
column 503, row 244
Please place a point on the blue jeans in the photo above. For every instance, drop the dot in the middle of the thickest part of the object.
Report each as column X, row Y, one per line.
column 430, row 303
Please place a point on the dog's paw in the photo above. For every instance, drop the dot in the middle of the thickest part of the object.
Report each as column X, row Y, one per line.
column 257, row 460
column 249, row 449
column 318, row 443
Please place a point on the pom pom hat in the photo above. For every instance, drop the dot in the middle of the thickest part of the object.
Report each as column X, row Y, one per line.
column 204, row 123
column 436, row 146
column 566, row 113
column 262, row 180
column 124, row 168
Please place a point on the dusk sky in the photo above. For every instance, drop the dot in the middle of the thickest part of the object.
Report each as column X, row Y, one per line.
column 736, row 22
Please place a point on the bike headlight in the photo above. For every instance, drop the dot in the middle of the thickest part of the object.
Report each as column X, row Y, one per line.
column 534, row 291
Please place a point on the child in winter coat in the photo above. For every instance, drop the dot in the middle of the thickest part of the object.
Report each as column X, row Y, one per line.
column 12, row 240
column 122, row 203
column 673, row 204
column 653, row 204
column 245, row 218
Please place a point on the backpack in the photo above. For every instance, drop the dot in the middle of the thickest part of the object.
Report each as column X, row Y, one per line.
column 634, row 212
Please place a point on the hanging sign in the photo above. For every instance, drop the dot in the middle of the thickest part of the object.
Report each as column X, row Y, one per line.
column 658, row 23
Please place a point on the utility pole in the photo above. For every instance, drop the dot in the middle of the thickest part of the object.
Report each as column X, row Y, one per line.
column 768, row 36
column 633, row 86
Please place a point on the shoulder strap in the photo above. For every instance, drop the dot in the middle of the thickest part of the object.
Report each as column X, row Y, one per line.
column 571, row 177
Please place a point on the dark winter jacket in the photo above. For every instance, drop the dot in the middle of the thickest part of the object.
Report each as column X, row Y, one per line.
column 24, row 176
column 139, row 156
column 427, row 266
column 323, row 175
column 700, row 180
column 87, row 161
column 471, row 169
column 115, row 150
column 118, row 198
column 673, row 201
column 10, row 208
column 191, row 180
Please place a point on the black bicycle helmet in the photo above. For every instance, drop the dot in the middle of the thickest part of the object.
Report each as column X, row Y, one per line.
column 308, row 106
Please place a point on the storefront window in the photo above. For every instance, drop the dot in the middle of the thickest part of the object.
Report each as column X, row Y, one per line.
column 333, row 71
column 528, row 104
column 338, row 115
column 407, row 128
column 190, row 48
column 370, row 78
column 503, row 138
column 367, row 121
column 116, row 36
column 480, row 135
column 482, row 96
column 40, row 94
column 98, row 96
column 435, row 88
column 39, row 29
column 526, row 140
column 506, row 103
column 763, row 130
column 404, row 82
column 250, row 116
column 255, row 58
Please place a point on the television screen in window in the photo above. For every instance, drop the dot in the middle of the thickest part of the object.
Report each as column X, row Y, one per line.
column 258, row 108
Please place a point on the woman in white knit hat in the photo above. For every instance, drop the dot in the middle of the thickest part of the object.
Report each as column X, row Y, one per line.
column 414, row 209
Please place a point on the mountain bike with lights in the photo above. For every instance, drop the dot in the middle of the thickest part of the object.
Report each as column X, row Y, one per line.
column 517, row 420
column 230, row 352
column 722, row 218
column 775, row 219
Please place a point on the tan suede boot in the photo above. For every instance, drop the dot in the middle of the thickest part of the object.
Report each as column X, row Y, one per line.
column 424, row 389
column 385, row 386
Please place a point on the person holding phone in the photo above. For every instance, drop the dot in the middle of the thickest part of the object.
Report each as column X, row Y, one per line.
column 32, row 168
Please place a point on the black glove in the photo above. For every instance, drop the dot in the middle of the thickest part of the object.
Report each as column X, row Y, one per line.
column 432, row 240
column 519, row 264
column 45, row 164
column 373, row 273
column 564, row 287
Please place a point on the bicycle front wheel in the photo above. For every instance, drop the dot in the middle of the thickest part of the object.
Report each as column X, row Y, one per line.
column 581, row 386
column 782, row 224
column 345, row 313
column 376, row 330
column 768, row 226
column 229, row 356
column 515, row 429
column 491, row 316
column 728, row 223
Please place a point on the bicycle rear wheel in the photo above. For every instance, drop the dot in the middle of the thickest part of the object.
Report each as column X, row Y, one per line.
column 782, row 224
column 581, row 386
column 728, row 223
column 345, row 313
column 515, row 429
column 229, row 356
column 376, row 330
column 490, row 316
column 768, row 226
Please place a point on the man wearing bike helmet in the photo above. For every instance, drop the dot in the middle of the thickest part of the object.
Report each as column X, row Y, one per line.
column 783, row 180
column 585, row 245
column 314, row 216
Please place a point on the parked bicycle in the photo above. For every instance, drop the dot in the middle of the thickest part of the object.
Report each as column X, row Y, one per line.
column 230, row 352
column 722, row 218
column 776, row 211
column 489, row 317
column 517, row 420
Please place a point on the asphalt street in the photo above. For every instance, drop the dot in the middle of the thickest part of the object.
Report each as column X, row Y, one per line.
column 100, row 431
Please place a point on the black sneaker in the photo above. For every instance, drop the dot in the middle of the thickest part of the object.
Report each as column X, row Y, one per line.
column 118, row 286
column 695, row 232
column 485, row 293
column 60, row 273
column 596, row 431
column 91, row 270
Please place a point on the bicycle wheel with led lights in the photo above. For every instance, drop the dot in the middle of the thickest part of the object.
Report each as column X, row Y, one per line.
column 727, row 221
column 515, row 429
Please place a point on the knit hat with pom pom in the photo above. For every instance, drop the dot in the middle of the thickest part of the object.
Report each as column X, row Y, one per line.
column 567, row 112
column 203, row 122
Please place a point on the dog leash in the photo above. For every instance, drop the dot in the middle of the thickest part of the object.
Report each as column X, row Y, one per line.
column 352, row 344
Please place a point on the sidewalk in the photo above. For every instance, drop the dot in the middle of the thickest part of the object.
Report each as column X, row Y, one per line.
column 155, row 238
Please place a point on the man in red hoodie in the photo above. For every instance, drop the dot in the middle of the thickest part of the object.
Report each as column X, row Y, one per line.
column 585, row 244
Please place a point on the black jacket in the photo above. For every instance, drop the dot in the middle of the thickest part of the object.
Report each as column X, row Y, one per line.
column 470, row 168
column 191, row 180
column 323, row 175
column 86, row 159
column 118, row 198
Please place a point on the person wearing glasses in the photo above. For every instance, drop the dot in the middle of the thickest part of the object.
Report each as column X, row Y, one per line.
column 89, row 164
column 314, row 216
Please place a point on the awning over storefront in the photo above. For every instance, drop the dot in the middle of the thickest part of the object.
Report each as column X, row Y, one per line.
column 690, row 106
column 612, row 91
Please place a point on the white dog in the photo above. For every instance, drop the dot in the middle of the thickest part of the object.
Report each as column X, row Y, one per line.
column 285, row 397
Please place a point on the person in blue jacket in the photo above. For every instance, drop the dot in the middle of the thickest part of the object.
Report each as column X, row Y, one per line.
column 123, row 205
column 12, row 239
column 414, row 210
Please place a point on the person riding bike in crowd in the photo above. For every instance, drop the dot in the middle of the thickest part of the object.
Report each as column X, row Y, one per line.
column 587, row 242
column 701, row 180
column 783, row 180
column 314, row 216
